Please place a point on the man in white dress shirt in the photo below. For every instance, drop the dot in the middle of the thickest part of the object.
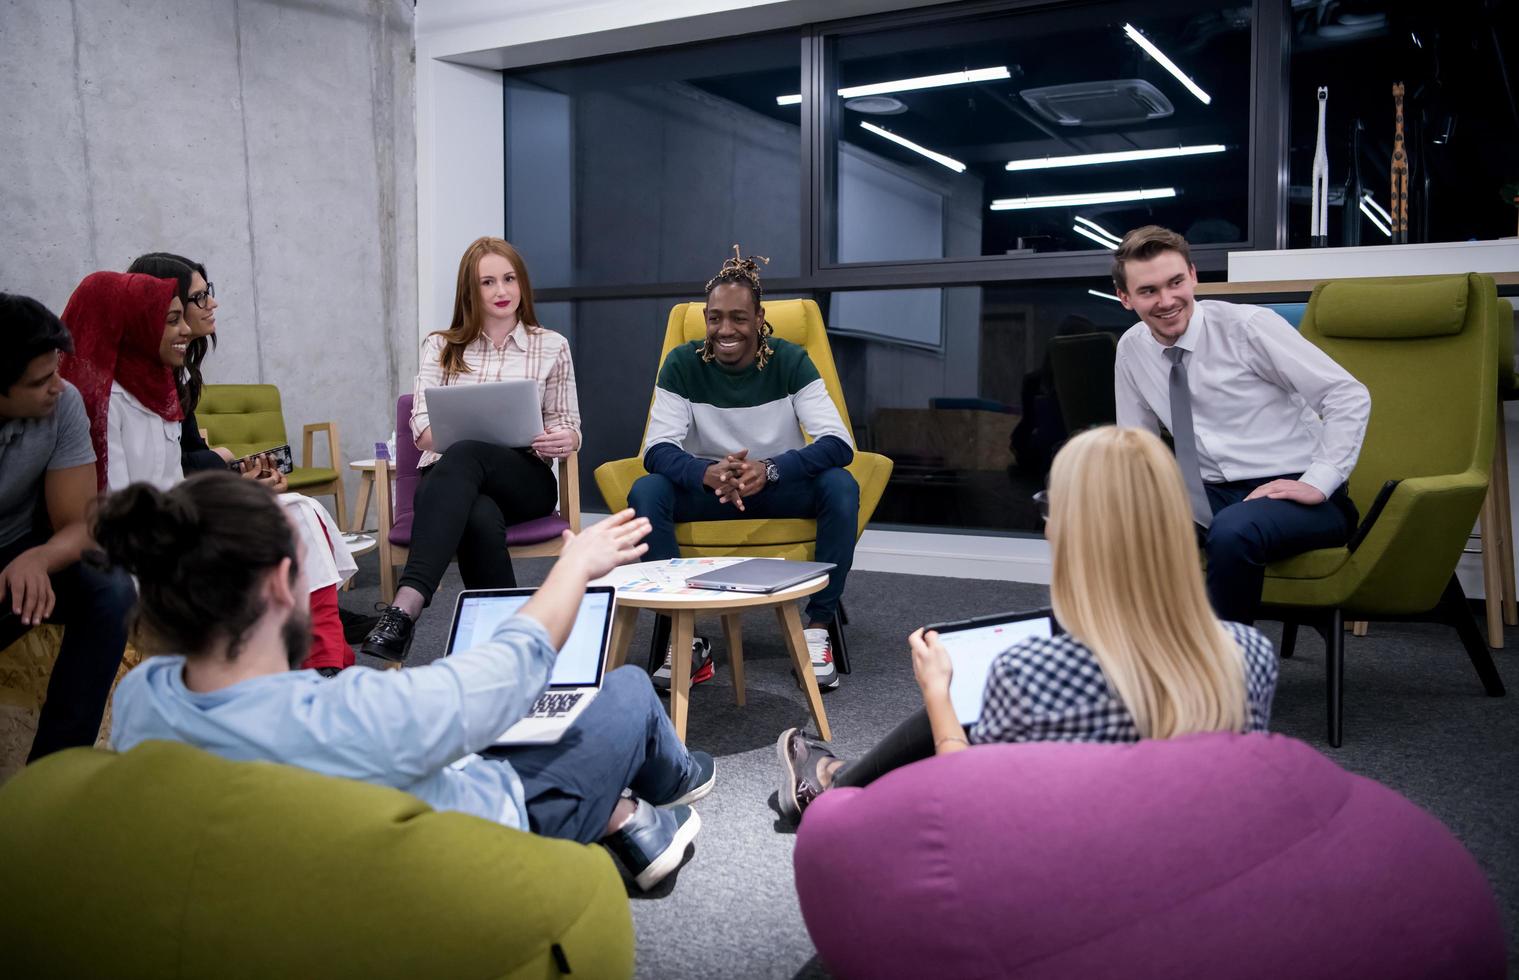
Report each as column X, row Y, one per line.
column 1267, row 427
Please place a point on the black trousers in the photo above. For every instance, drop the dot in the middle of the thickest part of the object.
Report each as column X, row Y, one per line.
column 464, row 505
column 92, row 606
column 911, row 741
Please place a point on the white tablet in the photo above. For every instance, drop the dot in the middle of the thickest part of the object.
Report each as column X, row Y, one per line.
column 973, row 645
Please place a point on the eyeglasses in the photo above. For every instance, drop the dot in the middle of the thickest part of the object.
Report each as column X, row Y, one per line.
column 203, row 297
column 1042, row 499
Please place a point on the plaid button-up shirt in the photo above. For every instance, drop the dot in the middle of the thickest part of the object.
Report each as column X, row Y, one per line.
column 539, row 354
column 1052, row 689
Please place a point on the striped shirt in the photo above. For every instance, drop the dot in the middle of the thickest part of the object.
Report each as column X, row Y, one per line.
column 539, row 354
column 1052, row 689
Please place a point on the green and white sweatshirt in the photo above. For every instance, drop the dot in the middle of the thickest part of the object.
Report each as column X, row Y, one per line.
column 703, row 411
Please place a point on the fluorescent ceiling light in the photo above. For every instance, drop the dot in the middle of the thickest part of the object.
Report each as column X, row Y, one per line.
column 1102, row 295
column 1167, row 63
column 1119, row 156
column 938, row 158
column 1094, row 237
column 1099, row 229
column 912, row 84
column 1367, row 204
column 1078, row 200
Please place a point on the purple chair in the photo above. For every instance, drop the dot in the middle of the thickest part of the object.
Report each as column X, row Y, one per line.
column 537, row 538
column 1205, row 856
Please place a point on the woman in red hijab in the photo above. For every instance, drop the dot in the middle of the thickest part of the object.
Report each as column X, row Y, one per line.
column 130, row 336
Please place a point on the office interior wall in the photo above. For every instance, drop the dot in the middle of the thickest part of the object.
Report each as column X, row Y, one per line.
column 273, row 140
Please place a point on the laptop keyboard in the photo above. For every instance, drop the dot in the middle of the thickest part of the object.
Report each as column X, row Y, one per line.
column 555, row 705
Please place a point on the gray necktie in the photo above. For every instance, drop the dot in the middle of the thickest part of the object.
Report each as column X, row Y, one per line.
column 1186, row 439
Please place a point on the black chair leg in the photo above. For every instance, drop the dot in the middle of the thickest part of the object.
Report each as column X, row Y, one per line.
column 660, row 643
column 1334, row 676
column 836, row 638
column 1458, row 613
column 1289, row 639
column 843, row 614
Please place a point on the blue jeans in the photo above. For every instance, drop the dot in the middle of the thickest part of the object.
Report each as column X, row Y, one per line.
column 832, row 497
column 1245, row 536
column 91, row 605
column 623, row 740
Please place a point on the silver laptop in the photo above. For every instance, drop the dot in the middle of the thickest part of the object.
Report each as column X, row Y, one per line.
column 578, row 670
column 503, row 413
column 973, row 646
column 760, row 575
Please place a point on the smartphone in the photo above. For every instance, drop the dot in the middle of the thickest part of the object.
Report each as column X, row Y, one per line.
column 280, row 456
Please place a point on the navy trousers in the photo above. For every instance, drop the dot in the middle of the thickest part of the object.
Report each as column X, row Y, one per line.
column 91, row 605
column 832, row 497
column 1247, row 535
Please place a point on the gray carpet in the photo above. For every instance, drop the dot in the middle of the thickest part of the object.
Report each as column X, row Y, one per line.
column 1415, row 719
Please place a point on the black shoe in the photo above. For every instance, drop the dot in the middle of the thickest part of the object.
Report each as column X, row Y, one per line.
column 653, row 842
column 391, row 636
column 328, row 671
column 698, row 784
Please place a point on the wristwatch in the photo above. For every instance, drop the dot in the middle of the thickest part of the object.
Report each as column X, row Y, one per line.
column 772, row 472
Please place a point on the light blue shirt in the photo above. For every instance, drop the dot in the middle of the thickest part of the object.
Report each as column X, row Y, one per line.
column 415, row 730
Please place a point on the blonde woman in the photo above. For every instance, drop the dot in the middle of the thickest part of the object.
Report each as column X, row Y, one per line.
column 469, row 495
column 1143, row 655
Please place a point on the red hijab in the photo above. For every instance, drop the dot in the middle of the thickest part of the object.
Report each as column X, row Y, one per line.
column 117, row 321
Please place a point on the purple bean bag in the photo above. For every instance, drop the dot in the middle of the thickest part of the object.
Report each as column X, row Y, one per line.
column 1205, row 856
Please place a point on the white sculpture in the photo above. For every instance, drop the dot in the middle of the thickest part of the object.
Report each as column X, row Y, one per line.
column 1320, row 219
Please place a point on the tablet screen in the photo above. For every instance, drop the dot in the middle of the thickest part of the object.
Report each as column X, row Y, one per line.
column 579, row 660
column 972, row 648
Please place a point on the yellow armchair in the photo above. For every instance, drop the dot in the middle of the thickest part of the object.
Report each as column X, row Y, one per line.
column 799, row 321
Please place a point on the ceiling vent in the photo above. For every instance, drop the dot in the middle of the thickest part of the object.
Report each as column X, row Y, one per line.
column 1121, row 102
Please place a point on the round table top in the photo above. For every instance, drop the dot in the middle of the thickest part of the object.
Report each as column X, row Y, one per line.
column 360, row 544
column 362, row 464
column 698, row 598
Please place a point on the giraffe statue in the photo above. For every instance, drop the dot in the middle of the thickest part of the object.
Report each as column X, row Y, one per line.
column 1399, row 170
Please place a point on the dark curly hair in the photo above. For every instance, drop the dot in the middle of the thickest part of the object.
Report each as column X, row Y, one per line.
column 743, row 271
column 198, row 552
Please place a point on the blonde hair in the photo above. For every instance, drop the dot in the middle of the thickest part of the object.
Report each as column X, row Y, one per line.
column 1128, row 584
column 469, row 320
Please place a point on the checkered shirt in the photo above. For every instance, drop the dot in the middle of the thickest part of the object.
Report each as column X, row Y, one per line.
column 1051, row 689
column 539, row 354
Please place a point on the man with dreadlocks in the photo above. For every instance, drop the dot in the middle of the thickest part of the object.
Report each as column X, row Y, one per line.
column 725, row 441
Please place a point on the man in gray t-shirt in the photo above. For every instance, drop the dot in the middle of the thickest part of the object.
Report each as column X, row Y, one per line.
column 47, row 480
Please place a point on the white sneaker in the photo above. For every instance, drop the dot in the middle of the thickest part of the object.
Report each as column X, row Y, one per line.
column 702, row 667
column 820, row 650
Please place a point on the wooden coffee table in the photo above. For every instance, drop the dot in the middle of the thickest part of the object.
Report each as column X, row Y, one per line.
column 682, row 608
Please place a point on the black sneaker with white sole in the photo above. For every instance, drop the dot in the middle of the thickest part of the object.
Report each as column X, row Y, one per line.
column 653, row 842
column 702, row 667
column 699, row 781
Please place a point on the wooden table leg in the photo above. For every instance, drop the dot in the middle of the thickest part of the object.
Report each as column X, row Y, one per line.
column 791, row 626
column 733, row 631
column 361, row 512
column 682, row 626
column 623, row 622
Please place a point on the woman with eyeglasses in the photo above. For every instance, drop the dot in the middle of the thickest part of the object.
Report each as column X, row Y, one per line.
column 329, row 563
column 1143, row 656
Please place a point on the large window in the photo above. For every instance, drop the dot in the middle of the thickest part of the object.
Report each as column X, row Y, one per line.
column 1040, row 131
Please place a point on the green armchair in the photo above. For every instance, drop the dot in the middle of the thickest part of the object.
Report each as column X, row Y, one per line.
column 1426, row 347
column 248, row 419
column 169, row 861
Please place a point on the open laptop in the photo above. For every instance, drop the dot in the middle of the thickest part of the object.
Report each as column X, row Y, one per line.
column 973, row 645
column 761, row 575
column 503, row 413
column 578, row 670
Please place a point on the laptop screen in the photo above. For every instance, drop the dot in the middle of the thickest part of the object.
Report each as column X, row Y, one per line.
column 974, row 644
column 580, row 660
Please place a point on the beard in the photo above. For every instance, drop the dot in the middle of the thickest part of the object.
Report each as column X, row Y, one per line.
column 296, row 634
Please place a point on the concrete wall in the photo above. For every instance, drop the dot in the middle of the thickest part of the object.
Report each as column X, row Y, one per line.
column 274, row 140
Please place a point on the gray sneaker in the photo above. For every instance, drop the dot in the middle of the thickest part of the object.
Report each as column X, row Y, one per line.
column 801, row 764
column 702, row 667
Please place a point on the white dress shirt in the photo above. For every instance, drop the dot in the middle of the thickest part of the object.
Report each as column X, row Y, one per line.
column 1265, row 401
column 141, row 446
